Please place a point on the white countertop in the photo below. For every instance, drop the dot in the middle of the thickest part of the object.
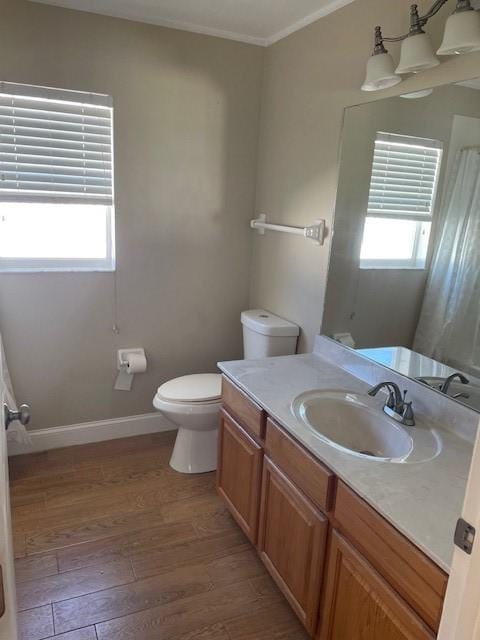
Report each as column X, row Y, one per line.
column 423, row 500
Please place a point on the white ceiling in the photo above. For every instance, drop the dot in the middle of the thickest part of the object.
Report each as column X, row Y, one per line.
column 256, row 21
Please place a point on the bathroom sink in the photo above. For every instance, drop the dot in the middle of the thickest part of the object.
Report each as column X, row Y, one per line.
column 351, row 422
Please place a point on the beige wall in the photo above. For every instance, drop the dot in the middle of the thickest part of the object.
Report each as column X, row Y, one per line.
column 309, row 78
column 186, row 131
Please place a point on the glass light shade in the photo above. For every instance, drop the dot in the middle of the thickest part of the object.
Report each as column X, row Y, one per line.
column 380, row 73
column 462, row 33
column 417, row 54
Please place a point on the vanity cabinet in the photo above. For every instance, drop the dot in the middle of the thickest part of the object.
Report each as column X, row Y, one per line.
column 345, row 570
column 292, row 543
column 360, row 605
column 239, row 474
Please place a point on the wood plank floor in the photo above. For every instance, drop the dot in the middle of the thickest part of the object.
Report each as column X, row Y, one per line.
column 111, row 544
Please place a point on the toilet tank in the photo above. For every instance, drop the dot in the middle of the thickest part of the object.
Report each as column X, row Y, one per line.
column 265, row 335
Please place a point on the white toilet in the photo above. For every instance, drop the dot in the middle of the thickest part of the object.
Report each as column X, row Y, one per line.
column 193, row 402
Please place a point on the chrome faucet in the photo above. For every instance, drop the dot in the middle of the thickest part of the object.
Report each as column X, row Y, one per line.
column 396, row 406
column 446, row 383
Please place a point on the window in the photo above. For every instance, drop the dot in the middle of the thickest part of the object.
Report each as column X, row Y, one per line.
column 56, row 180
column 401, row 202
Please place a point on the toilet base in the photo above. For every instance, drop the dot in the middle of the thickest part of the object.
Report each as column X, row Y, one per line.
column 195, row 451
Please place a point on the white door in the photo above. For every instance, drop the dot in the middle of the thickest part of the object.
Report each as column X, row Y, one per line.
column 8, row 625
column 461, row 613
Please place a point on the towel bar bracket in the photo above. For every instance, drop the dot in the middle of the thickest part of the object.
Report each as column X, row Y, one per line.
column 261, row 220
column 316, row 232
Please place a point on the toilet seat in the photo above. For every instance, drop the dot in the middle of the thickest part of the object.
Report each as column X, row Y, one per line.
column 186, row 408
column 197, row 389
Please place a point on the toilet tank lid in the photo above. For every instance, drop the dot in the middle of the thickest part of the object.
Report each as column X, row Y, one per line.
column 200, row 387
column 268, row 324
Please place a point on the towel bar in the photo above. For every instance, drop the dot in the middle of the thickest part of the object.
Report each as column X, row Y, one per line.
column 315, row 232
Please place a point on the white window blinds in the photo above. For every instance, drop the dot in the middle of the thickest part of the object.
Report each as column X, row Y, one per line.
column 404, row 177
column 55, row 146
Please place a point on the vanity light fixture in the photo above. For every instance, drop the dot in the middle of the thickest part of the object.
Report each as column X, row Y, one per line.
column 462, row 35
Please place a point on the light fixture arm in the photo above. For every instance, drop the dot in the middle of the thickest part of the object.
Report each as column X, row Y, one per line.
column 434, row 9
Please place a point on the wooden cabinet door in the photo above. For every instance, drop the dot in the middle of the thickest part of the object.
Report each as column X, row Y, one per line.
column 239, row 474
column 416, row 578
column 292, row 543
column 360, row 605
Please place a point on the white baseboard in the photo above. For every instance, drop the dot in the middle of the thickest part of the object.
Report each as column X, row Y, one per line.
column 73, row 434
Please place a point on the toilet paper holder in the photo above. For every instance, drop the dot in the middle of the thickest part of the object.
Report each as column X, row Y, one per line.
column 129, row 362
column 122, row 357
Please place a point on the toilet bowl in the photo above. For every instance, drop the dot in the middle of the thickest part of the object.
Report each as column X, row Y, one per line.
column 193, row 404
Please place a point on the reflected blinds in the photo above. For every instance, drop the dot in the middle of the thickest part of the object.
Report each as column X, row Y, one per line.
column 404, row 177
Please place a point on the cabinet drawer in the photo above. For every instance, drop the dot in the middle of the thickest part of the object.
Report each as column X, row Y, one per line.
column 251, row 416
column 416, row 578
column 315, row 480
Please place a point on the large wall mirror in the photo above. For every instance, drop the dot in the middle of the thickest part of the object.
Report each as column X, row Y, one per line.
column 404, row 276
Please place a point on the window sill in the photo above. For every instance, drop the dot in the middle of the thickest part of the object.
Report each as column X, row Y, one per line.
column 392, row 268
column 20, row 270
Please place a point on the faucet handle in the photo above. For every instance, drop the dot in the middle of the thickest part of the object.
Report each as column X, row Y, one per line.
column 390, row 403
column 408, row 415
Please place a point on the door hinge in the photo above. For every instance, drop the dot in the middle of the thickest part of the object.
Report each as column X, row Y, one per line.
column 464, row 536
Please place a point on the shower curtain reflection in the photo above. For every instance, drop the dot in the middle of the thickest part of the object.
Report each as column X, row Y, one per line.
column 449, row 325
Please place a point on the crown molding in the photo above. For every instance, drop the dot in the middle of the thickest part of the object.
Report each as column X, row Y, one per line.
column 330, row 7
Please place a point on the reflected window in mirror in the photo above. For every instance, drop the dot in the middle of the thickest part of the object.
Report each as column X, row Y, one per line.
column 401, row 201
